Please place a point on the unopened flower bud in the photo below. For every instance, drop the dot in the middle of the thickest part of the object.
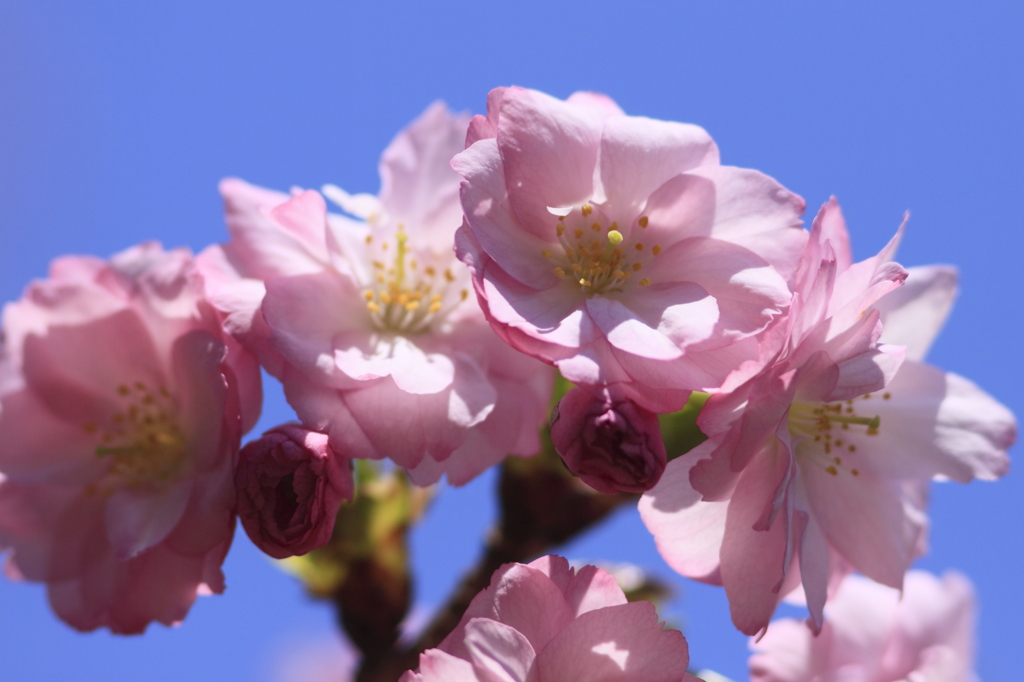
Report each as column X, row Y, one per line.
column 610, row 442
column 290, row 486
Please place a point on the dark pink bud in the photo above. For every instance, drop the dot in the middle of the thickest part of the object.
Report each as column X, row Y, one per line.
column 610, row 442
column 290, row 486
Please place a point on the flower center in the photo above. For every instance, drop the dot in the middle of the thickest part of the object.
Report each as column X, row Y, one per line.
column 142, row 441
column 404, row 297
column 831, row 430
column 598, row 257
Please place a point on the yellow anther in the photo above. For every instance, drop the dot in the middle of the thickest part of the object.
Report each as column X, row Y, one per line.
column 643, row 221
column 854, row 472
column 402, row 299
column 449, row 276
column 377, row 264
column 369, row 239
column 412, row 305
column 434, row 307
column 547, row 253
column 596, row 227
column 656, row 249
column 619, row 274
column 637, row 266
column 832, row 470
column 886, row 396
column 615, row 237
column 368, row 295
column 430, row 271
column 639, row 246
column 586, row 210
column 464, row 294
column 559, row 272
column 373, row 307
column 559, row 229
column 584, row 282
column 385, row 297
column 578, row 232
column 435, row 298
column 645, row 282
column 576, row 268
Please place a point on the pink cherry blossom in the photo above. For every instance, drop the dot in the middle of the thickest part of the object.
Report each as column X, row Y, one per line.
column 122, row 405
column 617, row 247
column 290, row 486
column 820, row 453
column 546, row 622
column 368, row 323
column 872, row 633
column 610, row 442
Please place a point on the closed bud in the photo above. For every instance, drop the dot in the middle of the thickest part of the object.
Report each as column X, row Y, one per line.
column 290, row 485
column 610, row 442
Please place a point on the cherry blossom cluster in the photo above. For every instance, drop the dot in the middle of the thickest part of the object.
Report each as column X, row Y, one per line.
column 425, row 325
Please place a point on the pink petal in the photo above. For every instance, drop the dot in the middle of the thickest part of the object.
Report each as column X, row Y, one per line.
column 260, row 246
column 913, row 314
column 550, row 150
column 681, row 208
column 938, row 424
column 305, row 313
column 627, row 332
column 753, row 561
column 864, row 519
column 587, row 589
column 438, row 666
column 136, row 520
column 417, row 372
column 688, row 532
column 418, row 186
column 756, row 212
column 400, row 425
column 554, row 315
column 522, row 598
column 614, row 644
column 639, row 154
column 499, row 649
column 517, row 251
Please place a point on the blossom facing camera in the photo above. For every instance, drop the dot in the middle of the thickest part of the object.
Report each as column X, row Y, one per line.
column 122, row 405
column 290, row 485
column 546, row 622
column 617, row 247
column 610, row 442
column 368, row 319
column 819, row 459
column 872, row 632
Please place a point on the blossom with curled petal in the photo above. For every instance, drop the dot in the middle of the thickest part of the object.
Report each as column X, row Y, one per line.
column 873, row 633
column 617, row 247
column 122, row 404
column 546, row 622
column 369, row 324
column 820, row 453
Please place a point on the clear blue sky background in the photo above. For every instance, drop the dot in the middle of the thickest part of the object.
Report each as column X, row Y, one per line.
column 118, row 118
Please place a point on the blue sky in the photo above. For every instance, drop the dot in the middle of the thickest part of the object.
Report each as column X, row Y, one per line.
column 117, row 119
